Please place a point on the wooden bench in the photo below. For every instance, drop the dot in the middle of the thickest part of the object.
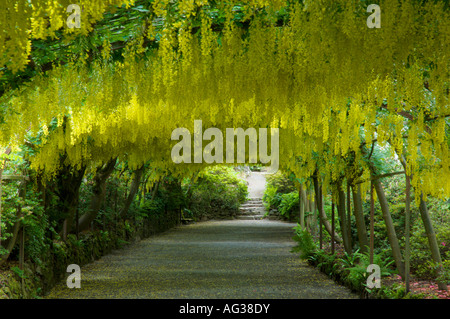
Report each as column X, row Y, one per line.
column 186, row 221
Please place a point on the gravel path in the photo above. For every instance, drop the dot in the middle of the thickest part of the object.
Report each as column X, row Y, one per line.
column 214, row 259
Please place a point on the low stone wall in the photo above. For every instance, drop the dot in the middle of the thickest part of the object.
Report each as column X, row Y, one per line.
column 35, row 281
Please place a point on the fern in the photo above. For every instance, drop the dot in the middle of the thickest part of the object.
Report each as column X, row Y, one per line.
column 288, row 201
column 305, row 243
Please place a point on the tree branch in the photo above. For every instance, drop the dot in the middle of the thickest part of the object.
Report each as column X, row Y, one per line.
column 380, row 176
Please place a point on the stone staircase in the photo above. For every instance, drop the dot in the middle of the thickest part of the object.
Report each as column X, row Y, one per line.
column 253, row 209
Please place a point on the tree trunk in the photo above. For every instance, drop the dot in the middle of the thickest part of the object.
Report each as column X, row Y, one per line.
column 322, row 215
column 392, row 236
column 155, row 188
column 308, row 209
column 301, row 203
column 99, row 193
column 349, row 216
column 332, row 227
column 372, row 221
column 431, row 235
column 359, row 217
column 69, row 189
column 429, row 230
column 133, row 190
column 343, row 220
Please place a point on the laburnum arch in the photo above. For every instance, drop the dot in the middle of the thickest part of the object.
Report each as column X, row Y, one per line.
column 335, row 87
column 314, row 69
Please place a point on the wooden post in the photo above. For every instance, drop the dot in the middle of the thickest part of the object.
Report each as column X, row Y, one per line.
column 1, row 192
column 349, row 214
column 332, row 226
column 64, row 233
column 1, row 189
column 21, row 248
column 407, row 229
column 22, row 194
column 319, row 204
column 301, row 207
column 309, row 219
column 320, row 233
column 22, row 258
column 371, row 222
column 76, row 222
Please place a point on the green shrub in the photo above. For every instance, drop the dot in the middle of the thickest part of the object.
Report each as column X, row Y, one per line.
column 271, row 199
column 217, row 192
column 281, row 182
column 281, row 194
column 169, row 196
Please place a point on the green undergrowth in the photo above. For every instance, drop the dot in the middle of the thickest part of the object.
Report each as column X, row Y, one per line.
column 281, row 196
column 34, row 281
column 350, row 270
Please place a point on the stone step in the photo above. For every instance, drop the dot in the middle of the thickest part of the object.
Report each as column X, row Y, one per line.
column 253, row 203
column 252, row 206
column 252, row 209
column 252, row 214
column 250, row 217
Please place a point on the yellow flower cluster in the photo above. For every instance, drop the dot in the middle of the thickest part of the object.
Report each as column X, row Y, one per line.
column 324, row 78
column 24, row 20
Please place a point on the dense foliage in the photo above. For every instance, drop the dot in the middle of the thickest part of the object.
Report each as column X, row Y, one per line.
column 282, row 195
column 290, row 68
column 87, row 114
